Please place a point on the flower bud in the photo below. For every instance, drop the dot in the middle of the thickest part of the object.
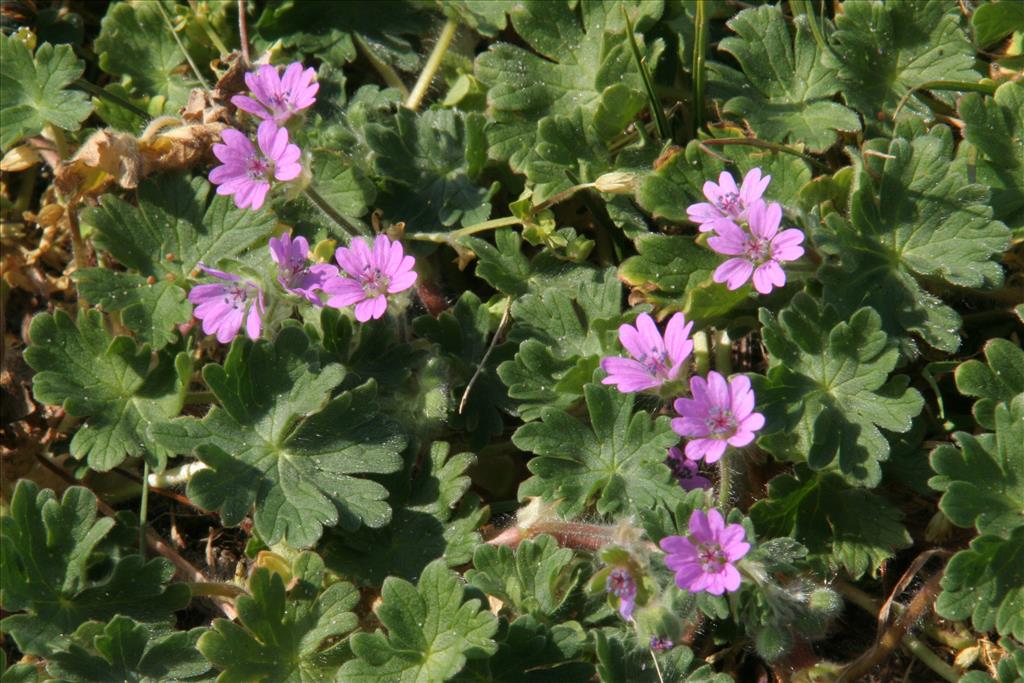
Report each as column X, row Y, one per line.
column 657, row 621
column 616, row 182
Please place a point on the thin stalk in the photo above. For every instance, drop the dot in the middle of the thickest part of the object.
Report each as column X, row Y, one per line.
column 450, row 237
column 664, row 132
column 389, row 75
column 97, row 91
column 208, row 30
column 432, row 65
column 724, row 482
column 723, row 352
column 193, row 398
column 700, row 47
column 210, row 588
column 143, row 508
column 805, row 7
column 331, row 212
column 181, row 46
column 763, row 144
column 243, row 32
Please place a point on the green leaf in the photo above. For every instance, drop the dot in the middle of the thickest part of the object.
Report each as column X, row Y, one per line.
column 486, row 17
column 433, row 518
column 616, row 462
column 996, row 381
column 284, row 635
column 570, row 66
column 674, row 273
column 175, row 226
column 883, row 50
column 994, row 21
column 463, row 335
column 124, row 650
column 135, row 42
column 535, row 579
column 994, row 126
column 792, row 88
column 428, row 166
column 621, row 661
column 34, row 90
column 986, row 584
column 56, row 580
column 568, row 152
column 279, row 443
column 856, row 527
column 110, row 381
column 983, row 480
column 828, row 391
column 502, row 264
column 152, row 311
column 923, row 223
column 531, row 652
column 431, row 631
column 533, row 378
column 342, row 184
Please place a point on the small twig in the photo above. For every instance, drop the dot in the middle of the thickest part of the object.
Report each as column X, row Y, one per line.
column 505, row 317
column 143, row 509
column 331, row 212
column 764, row 144
column 243, row 33
column 700, row 48
column 432, row 65
column 102, row 93
column 389, row 75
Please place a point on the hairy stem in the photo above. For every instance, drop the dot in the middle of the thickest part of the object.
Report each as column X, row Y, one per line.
column 331, row 212
column 389, row 75
column 143, row 508
column 455, row 235
column 700, row 47
column 432, row 65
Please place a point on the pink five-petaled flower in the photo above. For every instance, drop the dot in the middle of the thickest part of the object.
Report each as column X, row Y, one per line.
column 223, row 306
column 720, row 413
column 621, row 584
column 276, row 97
column 703, row 562
column 295, row 273
column 246, row 171
column 372, row 274
column 686, row 471
column 759, row 251
column 654, row 360
column 726, row 202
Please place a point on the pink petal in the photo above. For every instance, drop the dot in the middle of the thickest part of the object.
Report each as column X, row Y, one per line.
column 767, row 275
column 677, row 341
column 708, row 450
column 689, row 426
column 402, row 282
column 247, row 104
column 253, row 323
column 364, row 310
column 699, row 527
column 380, row 304
column 718, row 390
column 742, row 398
column 733, row 272
column 753, row 186
column 703, row 213
column 727, row 184
column 630, row 339
column 649, row 335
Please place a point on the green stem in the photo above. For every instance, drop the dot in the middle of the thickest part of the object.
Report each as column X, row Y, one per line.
column 208, row 30
column 724, row 482
column 701, row 353
column 450, row 237
column 389, row 75
column 664, row 132
column 209, row 588
column 193, row 398
column 432, row 65
column 700, row 47
column 97, row 91
column 143, row 508
column 331, row 212
column 181, row 45
column 723, row 353
column 763, row 144
column 805, row 7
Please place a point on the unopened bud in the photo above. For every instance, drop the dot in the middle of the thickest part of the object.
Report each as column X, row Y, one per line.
column 616, row 182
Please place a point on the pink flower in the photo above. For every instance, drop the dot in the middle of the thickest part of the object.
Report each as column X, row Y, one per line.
column 654, row 360
column 223, row 306
column 372, row 275
column 276, row 97
column 246, row 172
column 621, row 584
column 686, row 471
column 703, row 562
column 721, row 412
column 726, row 201
column 759, row 252
column 295, row 273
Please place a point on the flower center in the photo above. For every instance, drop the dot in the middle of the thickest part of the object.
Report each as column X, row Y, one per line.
column 257, row 167
column 712, row 558
column 374, row 282
column 720, row 422
column 729, row 202
column 758, row 250
column 279, row 100
column 621, row 584
column 235, row 296
column 656, row 361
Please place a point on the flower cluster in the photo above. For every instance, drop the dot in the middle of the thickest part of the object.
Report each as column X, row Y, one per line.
column 371, row 274
column 746, row 228
column 247, row 170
